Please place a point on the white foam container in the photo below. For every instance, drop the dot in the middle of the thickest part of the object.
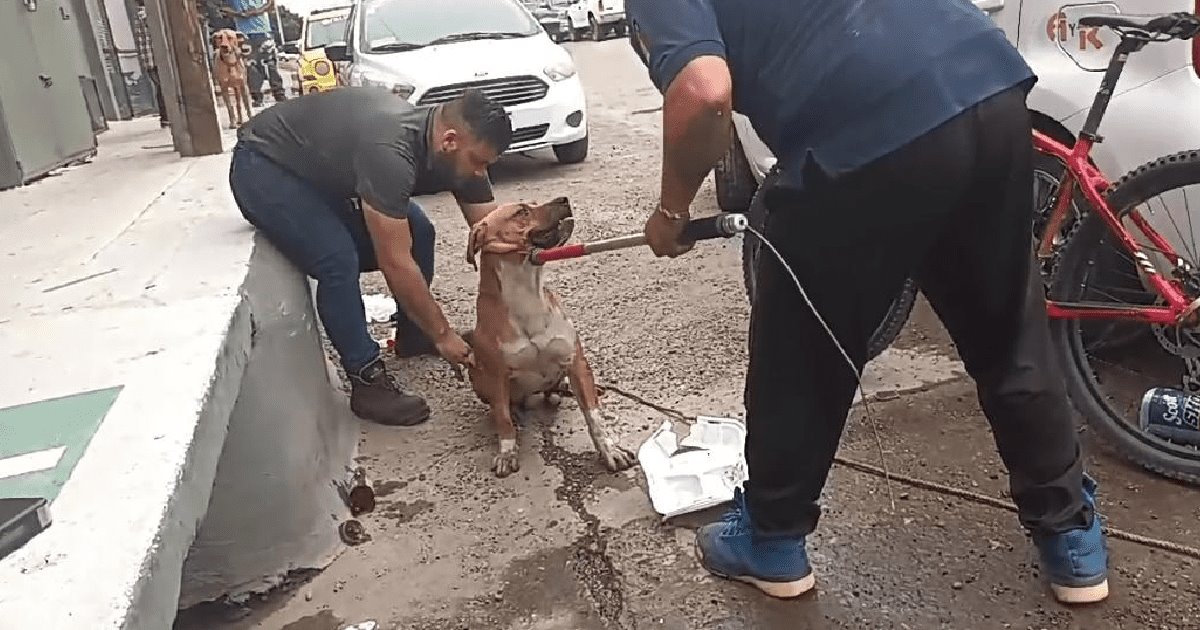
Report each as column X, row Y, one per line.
column 697, row 472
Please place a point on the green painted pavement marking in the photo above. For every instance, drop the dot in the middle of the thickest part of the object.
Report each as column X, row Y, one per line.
column 41, row 442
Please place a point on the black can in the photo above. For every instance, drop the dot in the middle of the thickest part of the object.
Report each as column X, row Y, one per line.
column 1171, row 415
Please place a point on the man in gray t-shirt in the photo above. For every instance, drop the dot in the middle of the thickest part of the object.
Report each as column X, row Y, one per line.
column 328, row 179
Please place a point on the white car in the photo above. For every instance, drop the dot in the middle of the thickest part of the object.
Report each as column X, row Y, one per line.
column 430, row 52
column 1153, row 113
column 595, row 17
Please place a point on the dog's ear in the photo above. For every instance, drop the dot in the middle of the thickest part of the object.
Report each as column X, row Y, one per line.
column 216, row 39
column 475, row 242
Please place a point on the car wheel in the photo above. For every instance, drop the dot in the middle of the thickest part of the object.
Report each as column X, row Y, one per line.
column 621, row 30
column 572, row 152
column 597, row 30
column 735, row 181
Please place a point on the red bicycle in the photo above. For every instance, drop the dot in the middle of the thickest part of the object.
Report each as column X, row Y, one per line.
column 1125, row 313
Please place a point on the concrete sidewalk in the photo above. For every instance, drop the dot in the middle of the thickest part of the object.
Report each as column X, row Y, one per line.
column 134, row 277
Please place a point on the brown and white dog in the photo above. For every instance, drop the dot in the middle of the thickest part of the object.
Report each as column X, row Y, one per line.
column 229, row 66
column 523, row 343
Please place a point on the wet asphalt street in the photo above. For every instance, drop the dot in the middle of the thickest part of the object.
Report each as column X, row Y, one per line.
column 565, row 545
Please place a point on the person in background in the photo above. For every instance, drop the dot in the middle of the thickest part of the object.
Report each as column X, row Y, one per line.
column 252, row 17
column 905, row 149
column 141, row 37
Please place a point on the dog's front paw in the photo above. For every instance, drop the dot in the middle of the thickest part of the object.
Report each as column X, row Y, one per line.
column 616, row 458
column 506, row 463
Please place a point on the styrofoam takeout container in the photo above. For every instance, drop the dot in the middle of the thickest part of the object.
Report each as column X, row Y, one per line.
column 697, row 472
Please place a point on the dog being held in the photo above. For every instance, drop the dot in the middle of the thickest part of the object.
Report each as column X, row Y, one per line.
column 229, row 66
column 523, row 343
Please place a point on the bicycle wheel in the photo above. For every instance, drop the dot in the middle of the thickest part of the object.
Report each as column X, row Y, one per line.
column 892, row 323
column 1109, row 365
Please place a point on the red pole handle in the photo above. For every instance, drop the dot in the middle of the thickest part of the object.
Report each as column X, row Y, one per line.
column 565, row 252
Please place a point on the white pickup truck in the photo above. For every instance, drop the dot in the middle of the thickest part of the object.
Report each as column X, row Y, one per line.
column 1154, row 112
column 598, row 18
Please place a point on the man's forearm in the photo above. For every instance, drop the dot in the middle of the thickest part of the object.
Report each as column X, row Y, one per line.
column 692, row 146
column 696, row 123
column 408, row 286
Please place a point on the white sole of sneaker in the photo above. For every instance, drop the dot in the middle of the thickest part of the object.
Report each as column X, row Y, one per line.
column 778, row 590
column 1080, row 594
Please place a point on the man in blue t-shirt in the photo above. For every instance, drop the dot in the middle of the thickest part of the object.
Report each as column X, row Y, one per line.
column 904, row 149
column 252, row 17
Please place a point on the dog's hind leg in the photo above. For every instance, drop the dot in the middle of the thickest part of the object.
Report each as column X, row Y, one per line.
column 583, row 384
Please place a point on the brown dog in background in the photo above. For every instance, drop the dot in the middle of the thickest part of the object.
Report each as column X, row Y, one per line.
column 229, row 65
column 523, row 343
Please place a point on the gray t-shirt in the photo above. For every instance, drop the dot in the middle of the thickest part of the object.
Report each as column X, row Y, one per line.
column 360, row 142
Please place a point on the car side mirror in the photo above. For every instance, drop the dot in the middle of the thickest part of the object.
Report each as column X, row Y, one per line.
column 291, row 48
column 337, row 51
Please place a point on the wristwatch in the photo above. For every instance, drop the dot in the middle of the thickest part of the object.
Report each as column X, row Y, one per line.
column 674, row 216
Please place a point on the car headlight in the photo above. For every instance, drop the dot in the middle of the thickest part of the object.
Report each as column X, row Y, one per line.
column 322, row 67
column 399, row 88
column 560, row 70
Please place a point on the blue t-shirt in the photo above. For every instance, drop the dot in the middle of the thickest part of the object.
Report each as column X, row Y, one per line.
column 838, row 82
column 260, row 23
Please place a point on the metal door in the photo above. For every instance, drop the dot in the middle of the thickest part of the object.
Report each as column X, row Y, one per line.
column 58, row 43
column 26, row 119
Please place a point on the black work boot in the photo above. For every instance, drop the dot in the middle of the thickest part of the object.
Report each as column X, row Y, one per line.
column 375, row 396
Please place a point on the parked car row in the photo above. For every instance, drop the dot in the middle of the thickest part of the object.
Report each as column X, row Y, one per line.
column 314, row 71
column 431, row 52
column 572, row 20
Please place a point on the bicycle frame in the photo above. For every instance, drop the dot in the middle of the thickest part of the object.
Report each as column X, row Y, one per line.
column 1085, row 177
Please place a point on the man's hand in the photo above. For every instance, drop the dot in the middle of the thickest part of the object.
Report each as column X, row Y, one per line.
column 454, row 350
column 664, row 233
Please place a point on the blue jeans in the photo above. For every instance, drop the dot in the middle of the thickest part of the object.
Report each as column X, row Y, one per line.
column 326, row 237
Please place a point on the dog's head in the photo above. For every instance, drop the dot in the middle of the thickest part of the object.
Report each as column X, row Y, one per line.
column 227, row 40
column 516, row 228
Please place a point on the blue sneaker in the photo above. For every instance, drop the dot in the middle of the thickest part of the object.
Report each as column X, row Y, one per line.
column 1076, row 561
column 777, row 566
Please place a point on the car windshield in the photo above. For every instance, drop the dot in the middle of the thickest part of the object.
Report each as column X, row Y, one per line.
column 325, row 31
column 391, row 25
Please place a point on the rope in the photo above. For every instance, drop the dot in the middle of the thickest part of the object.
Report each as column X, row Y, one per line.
column 938, row 488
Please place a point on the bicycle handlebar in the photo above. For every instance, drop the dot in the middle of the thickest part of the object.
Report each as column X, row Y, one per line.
column 1178, row 25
